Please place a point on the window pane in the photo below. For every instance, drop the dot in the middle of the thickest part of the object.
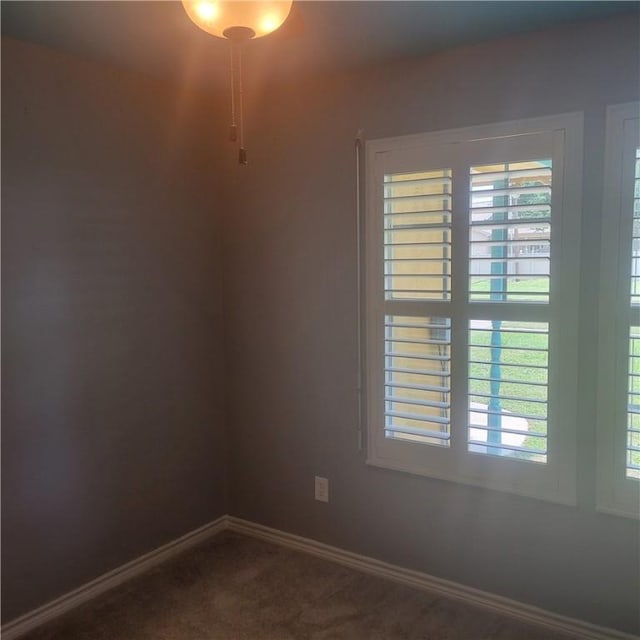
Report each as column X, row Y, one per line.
column 510, row 232
column 508, row 378
column 417, row 379
column 417, row 236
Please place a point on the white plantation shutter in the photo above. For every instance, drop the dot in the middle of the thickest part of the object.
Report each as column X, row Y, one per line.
column 510, row 213
column 508, row 388
column 417, row 379
column 633, row 399
column 417, row 269
column 510, row 242
column 464, row 281
column 633, row 407
column 619, row 359
column 417, row 236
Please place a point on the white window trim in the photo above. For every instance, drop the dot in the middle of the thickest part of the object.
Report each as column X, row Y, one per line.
column 555, row 481
column 616, row 494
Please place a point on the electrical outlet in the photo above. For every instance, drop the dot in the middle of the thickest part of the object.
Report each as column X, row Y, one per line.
column 322, row 489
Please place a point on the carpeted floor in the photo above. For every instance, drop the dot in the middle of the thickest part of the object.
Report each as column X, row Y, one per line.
column 238, row 588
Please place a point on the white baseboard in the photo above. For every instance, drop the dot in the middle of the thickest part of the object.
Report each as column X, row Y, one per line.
column 416, row 579
column 71, row 600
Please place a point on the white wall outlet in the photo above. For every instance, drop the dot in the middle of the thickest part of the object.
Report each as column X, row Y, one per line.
column 322, row 489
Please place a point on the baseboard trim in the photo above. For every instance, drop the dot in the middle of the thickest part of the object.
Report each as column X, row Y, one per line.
column 73, row 599
column 416, row 579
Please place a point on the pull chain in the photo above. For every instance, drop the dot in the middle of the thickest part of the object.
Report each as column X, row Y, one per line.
column 242, row 156
column 233, row 130
column 236, row 130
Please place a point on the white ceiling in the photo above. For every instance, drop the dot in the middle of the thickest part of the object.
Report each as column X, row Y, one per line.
column 158, row 38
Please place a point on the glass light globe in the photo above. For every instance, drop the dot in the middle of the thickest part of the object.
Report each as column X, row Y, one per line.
column 239, row 19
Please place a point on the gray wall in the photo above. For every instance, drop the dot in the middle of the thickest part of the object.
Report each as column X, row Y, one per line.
column 115, row 208
column 112, row 386
column 290, row 323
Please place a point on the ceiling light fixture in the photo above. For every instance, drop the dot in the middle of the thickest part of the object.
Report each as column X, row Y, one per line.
column 238, row 21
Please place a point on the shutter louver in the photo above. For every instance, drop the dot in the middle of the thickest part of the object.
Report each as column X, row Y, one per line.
column 510, row 232
column 633, row 401
column 417, row 236
column 633, row 413
column 417, row 379
column 635, row 246
column 508, row 378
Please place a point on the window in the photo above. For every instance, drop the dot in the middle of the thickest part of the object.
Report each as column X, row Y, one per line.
column 619, row 381
column 472, row 272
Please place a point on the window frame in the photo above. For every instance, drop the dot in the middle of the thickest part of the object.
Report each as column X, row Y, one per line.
column 458, row 150
column 616, row 494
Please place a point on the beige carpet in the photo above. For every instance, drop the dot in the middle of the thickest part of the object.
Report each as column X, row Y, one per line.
column 237, row 588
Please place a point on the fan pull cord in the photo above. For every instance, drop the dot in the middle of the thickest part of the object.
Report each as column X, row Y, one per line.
column 242, row 156
column 233, row 129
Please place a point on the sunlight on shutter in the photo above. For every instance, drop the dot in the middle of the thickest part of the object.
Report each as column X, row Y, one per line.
column 417, row 236
column 417, row 379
